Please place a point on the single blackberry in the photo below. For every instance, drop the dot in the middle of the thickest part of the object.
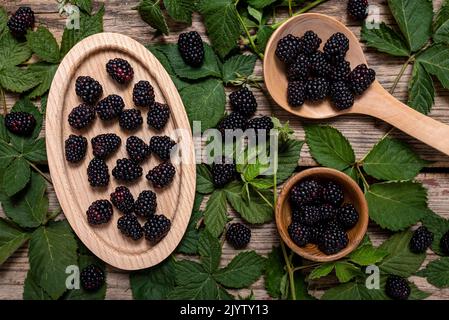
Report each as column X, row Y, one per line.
column 130, row 119
column 299, row 69
column 233, row 121
column 333, row 240
column 310, row 42
column 99, row 212
column 158, row 116
column 332, row 224
column 122, row 199
column 21, row 21
column 296, row 213
column 336, row 47
column 20, row 123
column 444, row 243
column 75, row 148
column 110, row 107
column 317, row 89
column 161, row 175
column 98, row 173
column 137, row 149
column 156, row 228
column 361, row 79
column 146, row 203
column 288, row 48
column 347, row 216
column 238, row 235
column 261, row 125
column 299, row 233
column 306, row 192
column 341, row 96
column 143, row 94
column 422, row 239
column 162, row 146
column 326, row 212
column 340, row 71
column 316, row 233
column 296, row 93
column 309, row 215
column 223, row 172
column 127, row 170
column 358, row 9
column 88, row 89
column 333, row 193
column 191, row 48
column 319, row 67
column 105, row 144
column 92, row 278
column 130, row 226
column 243, row 102
column 120, row 70
column 81, row 116
column 397, row 288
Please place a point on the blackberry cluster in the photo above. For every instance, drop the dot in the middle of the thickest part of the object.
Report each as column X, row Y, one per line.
column 130, row 119
column 332, row 193
column 99, row 212
column 288, row 48
column 223, row 172
column 358, row 9
column 143, row 94
column 422, row 239
column 299, row 68
column 306, row 192
column 127, row 170
column 92, row 278
column 317, row 89
column 310, row 42
column 105, row 144
column 130, row 226
column 341, row 95
column 20, row 123
column 361, row 78
column 336, row 48
column 81, row 116
column 397, row 288
column 21, row 21
column 156, row 228
column 444, row 243
column 88, row 89
column 110, row 107
column 347, row 216
column 145, row 205
column 161, row 175
column 98, row 173
column 299, row 233
column 243, row 102
column 162, row 146
column 137, row 149
column 158, row 116
column 319, row 67
column 75, row 148
column 296, row 93
column 123, row 200
column 261, row 125
column 191, row 48
column 238, row 235
column 233, row 121
column 120, row 70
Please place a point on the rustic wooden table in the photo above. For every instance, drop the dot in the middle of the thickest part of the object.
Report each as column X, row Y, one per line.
column 362, row 132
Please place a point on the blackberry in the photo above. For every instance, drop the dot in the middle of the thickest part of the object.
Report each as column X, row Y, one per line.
column 130, row 119
column 341, row 96
column 233, row 121
column 347, row 216
column 145, row 205
column 99, row 212
column 358, row 9
column 238, row 235
column 361, row 79
column 317, row 89
column 156, row 228
column 127, row 170
column 92, row 278
column 120, row 70
column 340, row 71
column 444, row 243
column 296, row 93
column 316, row 233
column 158, row 116
column 243, row 102
column 110, row 107
column 20, row 123
column 422, row 239
column 105, row 144
column 333, row 240
column 310, row 42
column 98, row 173
column 299, row 233
column 299, row 69
column 21, row 21
column 122, row 199
column 161, row 175
column 223, row 172
column 332, row 225
column 288, row 48
column 81, row 116
column 75, row 148
column 261, row 125
column 162, row 146
column 319, row 66
column 333, row 193
column 191, row 48
column 305, row 192
column 309, row 215
column 336, row 47
column 143, row 94
column 137, row 149
column 397, row 288
column 326, row 212
column 130, row 226
column 89, row 89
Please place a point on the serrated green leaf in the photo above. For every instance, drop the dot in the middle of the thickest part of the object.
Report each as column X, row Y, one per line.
column 288, row 159
column 436, row 62
column 150, row 12
column 437, row 272
column 215, row 215
column 346, row 271
column 3, row 19
column 189, row 243
column 260, row 4
column 3, row 132
column 204, row 182
column 353, row 173
column 197, row 201
column 322, row 270
column 7, row 154
column 263, row 35
column 32, row 290
column 301, row 288
column 13, row 52
column 46, row 73
column 18, row 80
column 44, row 44
column 85, row 5
column 16, row 176
column 421, row 91
column 237, row 66
column 367, row 255
column 11, row 239
column 274, row 271
column 441, row 35
column 35, row 151
column 180, row 10
column 396, row 205
column 353, row 291
column 25, row 105
column 385, row 40
column 210, row 251
column 438, row 226
column 256, row 14
column 262, row 183
column 442, row 15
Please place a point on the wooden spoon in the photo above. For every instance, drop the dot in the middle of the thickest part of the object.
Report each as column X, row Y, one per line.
column 376, row 101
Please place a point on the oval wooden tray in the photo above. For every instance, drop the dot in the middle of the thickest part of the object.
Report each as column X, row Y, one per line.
column 74, row 193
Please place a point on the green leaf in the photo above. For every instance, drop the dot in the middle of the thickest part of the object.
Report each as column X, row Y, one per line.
column 205, row 102
column 353, row 291
column 238, row 66
column 189, row 243
column 263, row 35
column 17, row 79
column 400, row 260
column 256, row 14
column 32, row 290
column 52, row 249
column 392, row 160
column 16, row 176
column 180, row 10
column 436, row 61
column 322, row 270
column 260, row 4
column 262, row 183
column 437, row 272
column 438, row 226
column 3, row 133
column 396, row 205
column 44, row 45
column 274, row 271
column 151, row 13
column 35, row 151
column 385, row 40
column 421, row 91
column 215, row 216
column 416, row 31
column 353, row 173
column 442, row 15
column 3, row 19
column 204, row 182
column 7, row 153
column 210, row 251
column 441, row 35
column 85, row 5
column 11, row 239
column 222, row 24
column 13, row 52
column 26, row 105
column 243, row 270
column 46, row 73
column 329, row 147
column 367, row 255
column 346, row 271
column 288, row 159
column 301, row 288
column 197, row 202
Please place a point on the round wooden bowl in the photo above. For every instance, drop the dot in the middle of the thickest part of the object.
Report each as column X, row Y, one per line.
column 352, row 194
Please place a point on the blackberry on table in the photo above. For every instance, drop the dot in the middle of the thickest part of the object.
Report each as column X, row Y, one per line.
column 233, row 121
column 137, row 149
column 161, row 175
column 238, row 235
column 143, row 94
column 347, row 216
column 158, row 115
column 306, row 192
column 88, row 89
column 299, row 233
column 223, row 172
column 99, row 212
column 191, row 48
column 92, row 278
column 358, row 9
column 333, row 240
column 162, row 146
column 105, row 144
column 20, row 123
column 336, row 47
column 75, row 148
column 397, row 288
column 299, row 69
column 317, row 89
column 243, row 102
column 361, row 78
column 261, row 125
column 130, row 227
column 421, row 240
column 127, row 170
column 288, row 48
column 130, row 119
column 21, row 21
column 340, row 71
column 156, row 228
column 296, row 93
column 310, row 42
column 123, row 200
column 120, row 70
column 146, row 204
column 110, row 107
column 81, row 116
column 341, row 96
column 333, row 193
column 444, row 243
column 98, row 173
column 319, row 67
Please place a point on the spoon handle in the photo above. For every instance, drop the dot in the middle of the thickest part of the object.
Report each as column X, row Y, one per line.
column 377, row 102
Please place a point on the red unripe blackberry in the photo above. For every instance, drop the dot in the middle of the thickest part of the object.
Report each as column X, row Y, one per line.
column 127, row 170
column 162, row 146
column 21, row 21
column 130, row 226
column 81, row 116
column 317, row 89
column 122, row 199
column 243, row 101
column 336, row 47
column 299, row 69
column 341, row 96
column 161, row 175
column 158, row 116
column 146, row 204
column 191, row 48
column 143, row 94
column 110, row 107
column 98, row 173
column 288, row 48
column 296, row 93
column 223, row 172
column 310, row 42
column 361, row 78
column 88, row 89
column 99, row 212
column 333, row 193
column 130, row 119
column 120, row 70
column 20, row 123
column 300, row 234
column 347, row 216
column 421, row 240
column 358, row 9
column 105, row 144
column 156, row 228
column 397, row 288
column 75, row 148
column 238, row 235
column 92, row 278
column 137, row 149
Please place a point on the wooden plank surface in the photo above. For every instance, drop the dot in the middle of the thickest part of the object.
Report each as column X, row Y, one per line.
column 362, row 132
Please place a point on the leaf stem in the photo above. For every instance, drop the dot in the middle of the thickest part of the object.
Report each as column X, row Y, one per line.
column 302, row 10
column 401, row 73
column 290, row 10
column 264, row 198
column 32, row 165
column 248, row 35
column 290, row 272
column 5, row 107
column 365, row 183
column 307, row 266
